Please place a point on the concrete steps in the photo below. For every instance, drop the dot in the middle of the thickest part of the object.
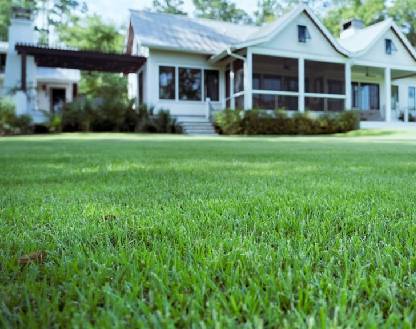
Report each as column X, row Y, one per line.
column 198, row 128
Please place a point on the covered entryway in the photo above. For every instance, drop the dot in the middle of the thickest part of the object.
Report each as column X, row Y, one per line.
column 83, row 60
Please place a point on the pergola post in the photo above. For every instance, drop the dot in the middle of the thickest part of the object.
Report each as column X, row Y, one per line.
column 23, row 72
column 248, row 81
column 387, row 86
column 301, row 84
column 348, row 87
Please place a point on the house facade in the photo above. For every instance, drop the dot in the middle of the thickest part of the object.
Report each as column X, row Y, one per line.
column 196, row 66
column 47, row 88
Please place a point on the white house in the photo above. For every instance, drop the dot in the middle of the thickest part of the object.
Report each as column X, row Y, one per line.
column 47, row 88
column 196, row 65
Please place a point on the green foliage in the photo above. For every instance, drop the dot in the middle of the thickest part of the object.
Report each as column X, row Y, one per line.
column 167, row 232
column 223, row 10
column 57, row 11
column 369, row 11
column 86, row 114
column 10, row 123
column 91, row 33
column 258, row 122
column 229, row 122
column 169, row 6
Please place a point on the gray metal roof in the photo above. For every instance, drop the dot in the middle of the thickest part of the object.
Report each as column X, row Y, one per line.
column 166, row 31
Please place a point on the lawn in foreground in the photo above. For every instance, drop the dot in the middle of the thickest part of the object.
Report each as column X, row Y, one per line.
column 153, row 231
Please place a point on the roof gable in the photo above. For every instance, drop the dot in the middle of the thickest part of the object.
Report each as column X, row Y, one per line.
column 364, row 41
column 269, row 32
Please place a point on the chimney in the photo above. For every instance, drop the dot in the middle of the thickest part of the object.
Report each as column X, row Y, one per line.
column 350, row 27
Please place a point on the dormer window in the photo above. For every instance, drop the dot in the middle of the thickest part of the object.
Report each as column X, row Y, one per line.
column 390, row 47
column 303, row 34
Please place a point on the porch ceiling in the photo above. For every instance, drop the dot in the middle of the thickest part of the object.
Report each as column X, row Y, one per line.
column 378, row 72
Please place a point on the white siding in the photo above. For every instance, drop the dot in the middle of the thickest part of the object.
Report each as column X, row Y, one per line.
column 167, row 58
column 287, row 40
column 377, row 53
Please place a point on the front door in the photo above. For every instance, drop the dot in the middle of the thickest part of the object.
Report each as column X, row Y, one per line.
column 58, row 97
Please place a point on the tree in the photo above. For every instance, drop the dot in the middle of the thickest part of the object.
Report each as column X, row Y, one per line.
column 267, row 11
column 404, row 14
column 54, row 12
column 223, row 10
column 169, row 6
column 91, row 33
column 369, row 11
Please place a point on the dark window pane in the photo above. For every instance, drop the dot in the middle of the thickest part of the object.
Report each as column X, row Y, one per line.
column 190, row 84
column 303, row 33
column 317, row 104
column 227, row 87
column 166, row 82
column 324, row 78
column 2, row 62
column 212, row 85
column 412, row 98
column 238, row 76
column 275, row 73
column 274, row 102
column 365, row 96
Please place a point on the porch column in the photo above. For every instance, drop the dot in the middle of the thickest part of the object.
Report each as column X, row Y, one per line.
column 232, row 99
column 248, row 81
column 387, row 86
column 301, row 84
column 348, row 87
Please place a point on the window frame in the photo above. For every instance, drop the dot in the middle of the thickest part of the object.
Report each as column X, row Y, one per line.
column 205, row 90
column 201, row 86
column 303, row 34
column 389, row 46
column 203, row 68
column 175, row 82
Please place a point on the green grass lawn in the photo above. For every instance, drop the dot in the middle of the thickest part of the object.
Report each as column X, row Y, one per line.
column 170, row 231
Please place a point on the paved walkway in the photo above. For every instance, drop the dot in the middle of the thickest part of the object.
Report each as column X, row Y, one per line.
column 387, row 125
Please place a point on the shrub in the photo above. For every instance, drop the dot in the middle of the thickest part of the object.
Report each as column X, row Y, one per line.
column 257, row 122
column 228, row 122
column 10, row 123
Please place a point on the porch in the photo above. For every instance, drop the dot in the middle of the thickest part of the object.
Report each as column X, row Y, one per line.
column 258, row 80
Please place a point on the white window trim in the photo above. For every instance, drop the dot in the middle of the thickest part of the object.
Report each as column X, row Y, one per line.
column 196, row 67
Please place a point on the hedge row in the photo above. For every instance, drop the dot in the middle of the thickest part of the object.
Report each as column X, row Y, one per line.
column 257, row 122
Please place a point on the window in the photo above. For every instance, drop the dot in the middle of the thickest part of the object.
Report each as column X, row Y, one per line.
column 275, row 73
column 238, row 76
column 365, row 96
column 167, row 82
column 324, row 78
column 190, row 84
column 227, row 86
column 140, row 94
column 273, row 102
column 2, row 62
column 390, row 47
column 412, row 98
column 318, row 104
column 303, row 34
column 395, row 97
column 212, row 85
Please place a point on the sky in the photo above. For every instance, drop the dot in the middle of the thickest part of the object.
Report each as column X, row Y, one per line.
column 117, row 10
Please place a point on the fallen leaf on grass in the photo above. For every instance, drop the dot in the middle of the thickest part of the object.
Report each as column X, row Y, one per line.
column 38, row 257
column 109, row 217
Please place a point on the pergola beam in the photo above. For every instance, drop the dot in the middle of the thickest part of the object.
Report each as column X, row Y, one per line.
column 84, row 60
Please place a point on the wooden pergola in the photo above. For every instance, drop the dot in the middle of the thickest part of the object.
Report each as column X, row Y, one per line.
column 85, row 60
